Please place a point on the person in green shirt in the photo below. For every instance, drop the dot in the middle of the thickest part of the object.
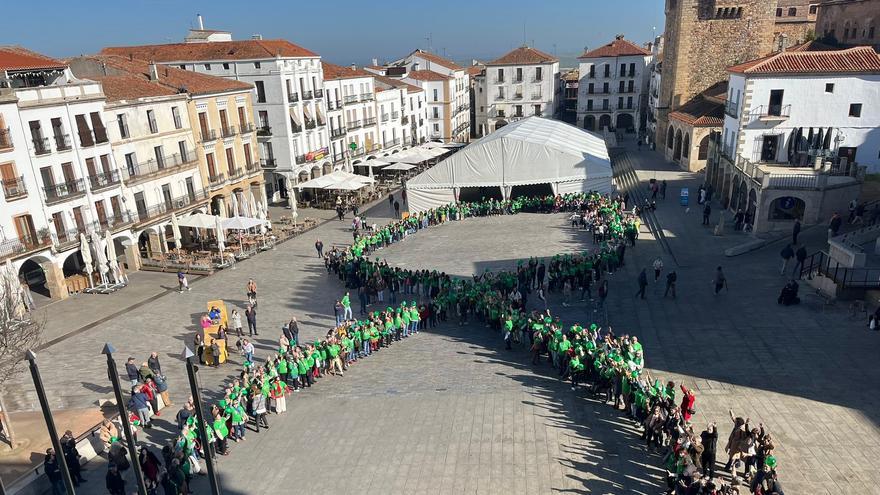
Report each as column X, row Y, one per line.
column 508, row 331
column 335, row 364
column 414, row 319
column 221, row 432
column 346, row 305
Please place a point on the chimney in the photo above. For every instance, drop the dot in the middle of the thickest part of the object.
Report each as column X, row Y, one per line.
column 200, row 21
column 257, row 37
column 353, row 67
column 375, row 61
column 154, row 71
column 619, row 37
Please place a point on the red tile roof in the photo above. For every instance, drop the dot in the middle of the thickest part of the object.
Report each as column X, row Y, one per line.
column 396, row 83
column 861, row 59
column 426, row 75
column 475, row 70
column 333, row 71
column 18, row 58
column 524, row 55
column 218, row 50
column 704, row 110
column 130, row 79
column 811, row 46
column 618, row 48
column 437, row 59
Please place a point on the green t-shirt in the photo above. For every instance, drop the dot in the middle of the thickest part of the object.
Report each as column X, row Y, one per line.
column 334, row 350
column 346, row 302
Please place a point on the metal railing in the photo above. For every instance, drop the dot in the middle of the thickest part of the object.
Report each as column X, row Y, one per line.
column 14, row 188
column 208, row 135
column 227, row 131
column 498, row 80
column 384, row 117
column 252, row 167
column 62, row 142
column 369, row 121
column 216, row 180
column 307, row 95
column 264, row 130
column 821, row 263
column 5, row 139
column 338, row 132
column 731, row 109
column 246, row 128
column 389, row 144
column 64, row 191
column 296, row 128
column 268, row 163
column 167, row 164
column 292, row 97
column 358, row 151
column 350, row 99
column 536, row 96
column 355, row 124
column 770, row 111
column 236, row 173
column 41, row 146
column 104, row 179
column 299, row 159
column 114, row 221
column 338, row 157
column 175, row 204
column 499, row 96
column 367, row 97
column 319, row 93
column 517, row 80
column 18, row 246
column 395, row 115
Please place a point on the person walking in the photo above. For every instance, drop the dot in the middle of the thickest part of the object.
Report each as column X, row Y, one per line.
column 182, row 283
column 801, row 256
column 663, row 189
column 247, row 347
column 834, row 225
column 236, row 322
column 132, row 371
column 720, row 281
column 319, row 247
column 658, row 267
column 787, row 254
column 346, row 307
column 396, row 209
column 603, row 293
column 795, row 231
column 707, row 211
column 671, row 278
column 643, row 282
column 251, row 314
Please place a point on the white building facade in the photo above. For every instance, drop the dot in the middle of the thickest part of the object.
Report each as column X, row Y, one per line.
column 522, row 83
column 613, row 80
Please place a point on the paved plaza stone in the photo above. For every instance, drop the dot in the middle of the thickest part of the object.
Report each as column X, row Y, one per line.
column 450, row 411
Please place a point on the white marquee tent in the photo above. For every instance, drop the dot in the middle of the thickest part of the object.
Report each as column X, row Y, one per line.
column 527, row 152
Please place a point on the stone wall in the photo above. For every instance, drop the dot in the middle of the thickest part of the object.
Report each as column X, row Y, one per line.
column 849, row 22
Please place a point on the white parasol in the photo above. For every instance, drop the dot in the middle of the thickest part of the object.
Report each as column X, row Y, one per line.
column 221, row 237
column 262, row 217
column 265, row 208
column 86, row 254
column 235, row 209
column 252, row 203
column 100, row 257
column 112, row 262
column 291, row 200
column 175, row 231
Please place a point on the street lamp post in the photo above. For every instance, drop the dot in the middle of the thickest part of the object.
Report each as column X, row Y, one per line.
column 200, row 420
column 50, row 422
column 113, row 375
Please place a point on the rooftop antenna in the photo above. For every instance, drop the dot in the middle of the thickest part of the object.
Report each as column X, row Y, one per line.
column 524, row 32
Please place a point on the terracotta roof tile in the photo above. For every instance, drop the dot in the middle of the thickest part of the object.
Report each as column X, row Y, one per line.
column 811, row 46
column 18, row 58
column 396, row 83
column 333, row 71
column 861, row 59
column 219, row 50
column 618, row 48
column 426, row 75
column 128, row 79
column 524, row 55
column 475, row 70
column 704, row 110
column 437, row 59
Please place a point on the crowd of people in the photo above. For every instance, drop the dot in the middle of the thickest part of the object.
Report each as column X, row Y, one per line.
column 608, row 364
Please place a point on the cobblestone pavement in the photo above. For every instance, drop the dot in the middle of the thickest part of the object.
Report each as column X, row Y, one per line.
column 449, row 411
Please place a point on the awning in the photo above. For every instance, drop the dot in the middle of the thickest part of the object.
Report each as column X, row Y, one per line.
column 374, row 163
column 335, row 178
column 197, row 221
column 348, row 185
column 241, row 223
column 400, row 166
column 294, row 117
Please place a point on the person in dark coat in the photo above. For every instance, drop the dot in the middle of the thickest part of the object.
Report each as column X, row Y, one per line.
column 115, row 483
column 795, row 231
column 132, row 371
column 709, row 439
column 801, row 256
column 71, row 458
column 707, row 211
column 53, row 472
column 643, row 283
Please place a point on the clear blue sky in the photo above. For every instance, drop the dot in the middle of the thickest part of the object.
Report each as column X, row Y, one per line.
column 342, row 31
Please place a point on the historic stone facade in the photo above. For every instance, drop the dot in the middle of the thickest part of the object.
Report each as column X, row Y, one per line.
column 849, row 22
column 795, row 22
column 702, row 39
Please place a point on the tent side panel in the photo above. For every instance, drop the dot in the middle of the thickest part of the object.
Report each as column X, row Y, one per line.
column 425, row 199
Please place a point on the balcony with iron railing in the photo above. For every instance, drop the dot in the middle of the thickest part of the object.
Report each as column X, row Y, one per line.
column 310, row 124
column 385, row 117
column 41, row 146
column 517, row 79
column 292, row 97
column 391, row 143
column 174, row 205
column 178, row 124
column 537, row 79
column 367, row 97
column 338, row 157
column 354, row 124
column 235, row 174
column 319, row 93
column 216, row 180
column 62, row 142
column 20, row 246
column 498, row 80
column 264, row 131
column 374, row 147
column 104, row 180
column 517, row 115
column 115, row 221
column 369, row 121
column 360, row 151
column 208, row 135
column 14, row 188
column 536, row 96
column 5, row 139
column 395, row 115
column 252, row 168
column 499, row 96
column 268, row 163
column 248, row 127
column 154, row 168
column 337, row 133
column 348, row 100
column 65, row 191
column 731, row 109
column 227, row 131
column 770, row 112
column 307, row 95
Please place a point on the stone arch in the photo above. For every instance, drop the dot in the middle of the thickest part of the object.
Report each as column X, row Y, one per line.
column 302, row 177
column 742, row 195
column 752, row 205
column 604, row 121
column 676, row 150
column 686, row 146
column 32, row 273
column 500, row 123
column 395, row 151
column 624, row 121
column 316, row 172
column 734, row 192
column 703, row 150
column 590, row 122
column 73, row 264
column 786, row 208
column 326, row 168
column 670, row 137
column 218, row 203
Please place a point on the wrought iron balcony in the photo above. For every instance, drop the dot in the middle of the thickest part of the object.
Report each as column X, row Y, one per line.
column 216, row 180
column 264, row 131
column 18, row 246
column 338, row 157
column 384, row 117
column 252, row 168
column 269, row 163
column 354, row 124
column 369, row 121
column 498, row 80
column 208, row 135
column 395, row 115
column 367, row 97
column 350, row 99
column 14, row 188
column 517, row 80
column 5, row 139
column 62, row 142
column 41, row 146
column 299, row 159
column 296, row 128
column 358, row 152
column 64, row 191
column 153, row 168
column 517, row 96
column 771, row 112
column 307, row 95
column 228, row 131
column 246, row 128
column 103, row 180
column 292, row 97
column 391, row 143
column 337, row 133
column 236, row 173
column 167, row 207
column 499, row 96
column 310, row 124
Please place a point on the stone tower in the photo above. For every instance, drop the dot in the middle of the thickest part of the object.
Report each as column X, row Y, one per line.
column 702, row 39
